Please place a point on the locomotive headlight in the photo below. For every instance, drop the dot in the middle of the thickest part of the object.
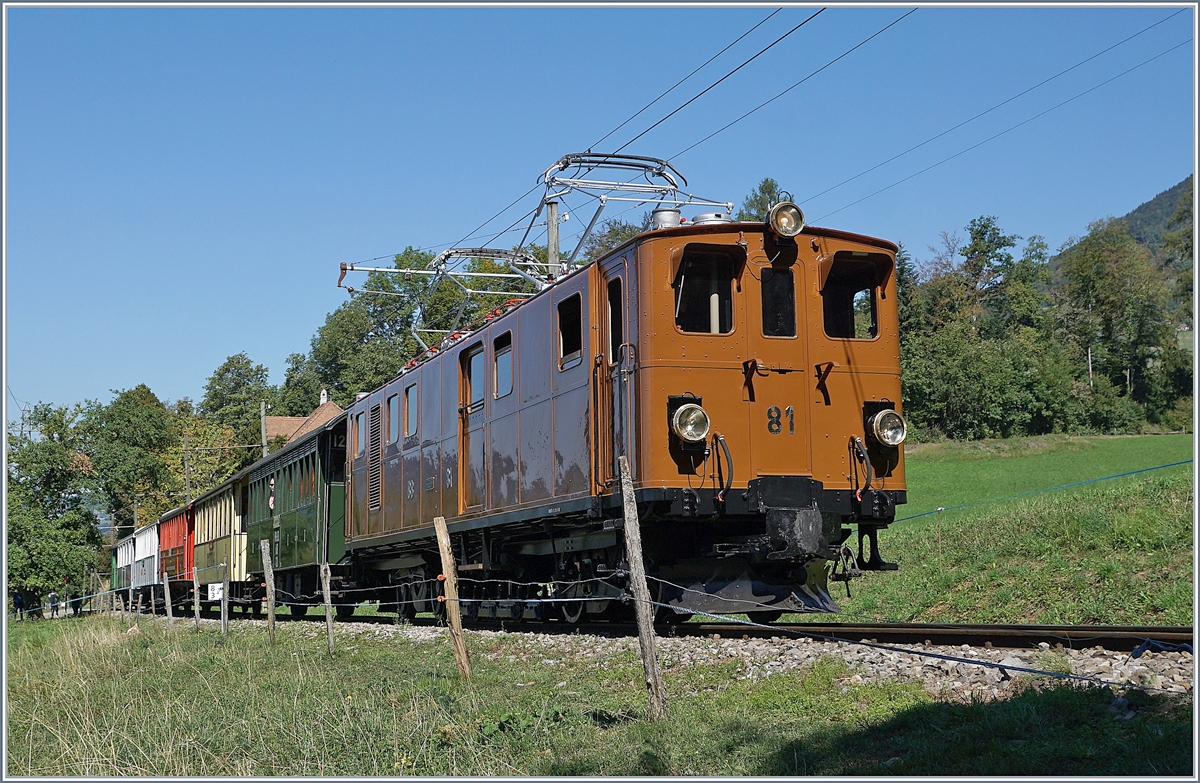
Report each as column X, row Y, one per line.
column 785, row 219
column 690, row 423
column 889, row 428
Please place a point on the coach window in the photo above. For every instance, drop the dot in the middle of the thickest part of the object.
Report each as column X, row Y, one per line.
column 410, row 410
column 393, row 413
column 502, row 350
column 570, row 332
column 778, row 303
column 616, row 320
column 848, row 298
column 360, row 434
column 473, row 365
column 704, row 290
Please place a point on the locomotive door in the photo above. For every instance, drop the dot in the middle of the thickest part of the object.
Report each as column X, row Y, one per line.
column 471, row 484
column 774, row 370
column 619, row 362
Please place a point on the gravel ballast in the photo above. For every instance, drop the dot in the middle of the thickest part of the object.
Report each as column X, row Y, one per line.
column 959, row 680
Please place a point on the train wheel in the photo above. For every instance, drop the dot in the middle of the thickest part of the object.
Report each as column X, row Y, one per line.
column 572, row 611
column 299, row 610
column 345, row 611
column 256, row 608
column 764, row 618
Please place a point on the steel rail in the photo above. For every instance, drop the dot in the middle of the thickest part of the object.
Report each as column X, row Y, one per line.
column 1108, row 637
column 1114, row 638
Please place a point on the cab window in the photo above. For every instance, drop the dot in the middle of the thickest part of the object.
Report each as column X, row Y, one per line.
column 778, row 303
column 704, row 289
column 849, row 299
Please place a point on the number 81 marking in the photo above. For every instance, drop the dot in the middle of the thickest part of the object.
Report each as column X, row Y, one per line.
column 775, row 422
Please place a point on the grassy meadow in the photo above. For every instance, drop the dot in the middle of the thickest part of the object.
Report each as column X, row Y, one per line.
column 1115, row 552
column 87, row 698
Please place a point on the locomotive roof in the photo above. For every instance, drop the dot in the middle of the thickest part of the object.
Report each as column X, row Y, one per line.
column 717, row 228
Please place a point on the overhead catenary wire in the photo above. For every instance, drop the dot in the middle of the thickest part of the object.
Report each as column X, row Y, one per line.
column 992, row 109
column 718, row 81
column 681, row 81
column 1006, row 130
column 794, row 86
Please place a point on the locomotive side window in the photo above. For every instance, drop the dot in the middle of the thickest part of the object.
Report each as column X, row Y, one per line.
column 410, row 410
column 849, row 299
column 616, row 320
column 473, row 367
column 393, row 416
column 570, row 332
column 704, row 290
column 360, row 435
column 778, row 303
column 502, row 350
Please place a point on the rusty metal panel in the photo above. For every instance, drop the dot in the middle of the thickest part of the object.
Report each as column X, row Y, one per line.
column 503, row 477
column 475, row 479
column 536, row 342
column 430, row 497
column 449, row 477
column 410, row 487
column 572, row 442
column 536, row 454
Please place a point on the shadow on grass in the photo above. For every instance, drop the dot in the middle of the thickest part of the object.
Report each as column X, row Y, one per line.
column 1055, row 731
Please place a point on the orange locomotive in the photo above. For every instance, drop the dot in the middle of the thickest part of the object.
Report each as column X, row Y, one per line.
column 749, row 372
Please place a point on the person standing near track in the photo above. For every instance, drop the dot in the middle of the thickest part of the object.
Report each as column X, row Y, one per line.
column 52, row 598
column 18, row 602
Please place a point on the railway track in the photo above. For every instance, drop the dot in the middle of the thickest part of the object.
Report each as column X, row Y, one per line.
column 1117, row 638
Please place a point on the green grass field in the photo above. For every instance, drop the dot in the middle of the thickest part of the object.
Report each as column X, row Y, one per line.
column 1111, row 552
column 85, row 698
column 955, row 473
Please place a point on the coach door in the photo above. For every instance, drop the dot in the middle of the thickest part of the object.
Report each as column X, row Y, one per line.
column 471, row 484
column 619, row 359
column 774, row 372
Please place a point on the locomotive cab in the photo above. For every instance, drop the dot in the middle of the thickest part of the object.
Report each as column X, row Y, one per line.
column 757, row 393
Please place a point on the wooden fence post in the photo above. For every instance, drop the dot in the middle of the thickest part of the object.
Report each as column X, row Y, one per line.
column 167, row 597
column 196, row 594
column 328, row 605
column 453, row 611
column 137, row 616
column 269, row 574
column 225, row 598
column 641, row 595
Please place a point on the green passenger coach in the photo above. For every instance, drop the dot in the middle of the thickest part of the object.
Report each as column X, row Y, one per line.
column 297, row 502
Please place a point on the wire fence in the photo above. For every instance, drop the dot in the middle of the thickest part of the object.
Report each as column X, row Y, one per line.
column 424, row 593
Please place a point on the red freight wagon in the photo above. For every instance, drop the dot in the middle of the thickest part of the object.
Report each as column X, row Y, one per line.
column 176, row 537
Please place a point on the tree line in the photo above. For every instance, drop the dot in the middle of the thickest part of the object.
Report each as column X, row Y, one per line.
column 996, row 341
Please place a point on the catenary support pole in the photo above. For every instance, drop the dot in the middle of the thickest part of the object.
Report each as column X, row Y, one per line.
column 552, row 235
column 269, row 577
column 641, row 595
column 453, row 611
column 328, row 605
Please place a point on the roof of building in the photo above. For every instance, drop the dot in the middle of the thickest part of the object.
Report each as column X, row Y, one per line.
column 283, row 425
column 324, row 412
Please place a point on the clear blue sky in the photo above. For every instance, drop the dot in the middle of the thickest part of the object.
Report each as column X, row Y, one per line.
column 182, row 183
